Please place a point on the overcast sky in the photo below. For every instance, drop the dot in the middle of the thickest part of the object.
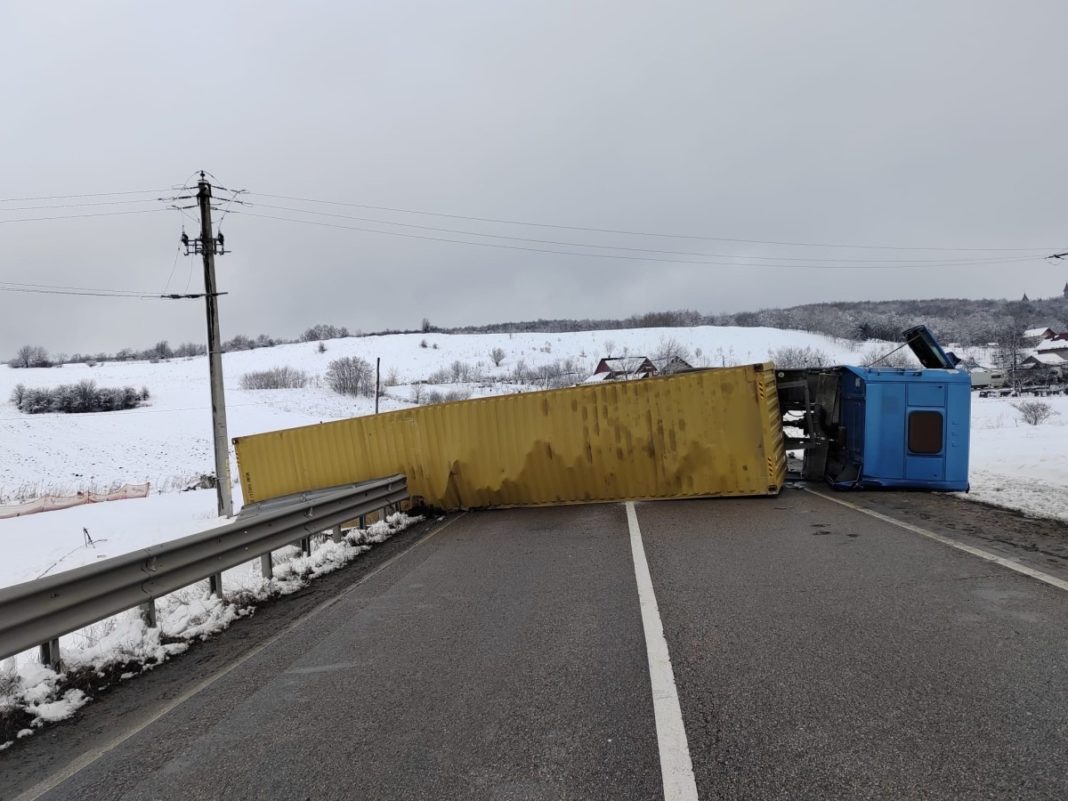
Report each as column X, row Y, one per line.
column 910, row 124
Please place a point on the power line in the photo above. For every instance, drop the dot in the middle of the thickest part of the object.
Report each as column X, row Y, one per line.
column 78, row 216
column 137, row 292
column 750, row 257
column 617, row 256
column 74, row 293
column 105, row 294
column 627, row 232
column 82, row 291
column 83, row 205
column 174, row 266
column 93, row 194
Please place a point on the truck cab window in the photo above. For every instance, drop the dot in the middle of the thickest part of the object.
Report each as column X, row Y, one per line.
column 925, row 432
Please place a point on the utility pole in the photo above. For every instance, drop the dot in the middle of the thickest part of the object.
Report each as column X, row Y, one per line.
column 207, row 245
column 378, row 372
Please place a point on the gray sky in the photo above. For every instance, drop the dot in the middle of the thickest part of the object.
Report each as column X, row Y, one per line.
column 907, row 123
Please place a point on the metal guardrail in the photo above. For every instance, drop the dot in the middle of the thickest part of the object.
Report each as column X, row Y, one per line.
column 39, row 612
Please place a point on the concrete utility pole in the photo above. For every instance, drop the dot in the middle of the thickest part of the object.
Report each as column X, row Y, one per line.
column 208, row 244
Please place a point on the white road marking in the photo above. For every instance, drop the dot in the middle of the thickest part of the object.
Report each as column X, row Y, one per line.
column 1011, row 564
column 334, row 667
column 676, row 769
column 91, row 756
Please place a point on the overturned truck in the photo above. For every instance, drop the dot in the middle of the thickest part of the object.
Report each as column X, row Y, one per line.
column 715, row 432
column 868, row 427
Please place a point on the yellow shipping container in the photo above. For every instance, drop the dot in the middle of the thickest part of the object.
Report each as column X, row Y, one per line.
column 700, row 433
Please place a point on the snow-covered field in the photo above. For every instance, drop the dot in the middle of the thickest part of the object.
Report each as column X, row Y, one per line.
column 1017, row 465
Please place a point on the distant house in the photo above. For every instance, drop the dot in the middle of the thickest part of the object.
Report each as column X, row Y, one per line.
column 1057, row 344
column 674, row 364
column 1046, row 366
column 623, row 368
column 1051, row 354
column 1035, row 335
column 1047, row 359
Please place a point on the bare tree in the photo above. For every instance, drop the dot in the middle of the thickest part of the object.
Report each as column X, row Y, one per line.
column 1034, row 412
column 790, row 358
column 239, row 342
column 324, row 331
column 350, row 375
column 31, row 356
column 275, row 378
column 670, row 348
column 190, row 349
column 497, row 355
column 462, row 372
column 1011, row 350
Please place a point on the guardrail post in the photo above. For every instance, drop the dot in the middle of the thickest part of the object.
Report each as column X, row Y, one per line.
column 335, row 533
column 148, row 613
column 50, row 654
column 305, row 545
column 215, row 585
column 363, row 521
column 266, row 566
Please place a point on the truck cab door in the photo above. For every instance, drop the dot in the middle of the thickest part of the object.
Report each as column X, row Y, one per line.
column 927, row 350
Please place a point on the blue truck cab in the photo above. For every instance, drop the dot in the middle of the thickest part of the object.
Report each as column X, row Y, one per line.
column 868, row 427
column 905, row 428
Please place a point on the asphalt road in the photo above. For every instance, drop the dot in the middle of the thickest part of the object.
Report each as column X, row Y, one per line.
column 822, row 654
column 817, row 653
